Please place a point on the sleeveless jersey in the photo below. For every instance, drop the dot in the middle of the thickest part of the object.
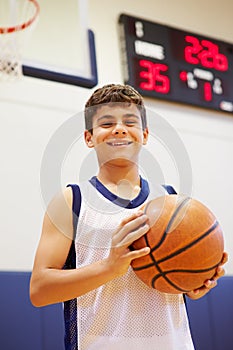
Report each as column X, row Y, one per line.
column 124, row 313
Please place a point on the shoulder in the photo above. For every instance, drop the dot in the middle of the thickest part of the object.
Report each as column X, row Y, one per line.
column 59, row 211
column 62, row 198
column 68, row 195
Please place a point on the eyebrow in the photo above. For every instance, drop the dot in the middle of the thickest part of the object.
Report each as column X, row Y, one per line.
column 110, row 116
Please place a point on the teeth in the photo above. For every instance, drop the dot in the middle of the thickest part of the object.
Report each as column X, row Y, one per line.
column 118, row 143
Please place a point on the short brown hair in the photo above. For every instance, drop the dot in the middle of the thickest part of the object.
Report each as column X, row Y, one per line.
column 112, row 94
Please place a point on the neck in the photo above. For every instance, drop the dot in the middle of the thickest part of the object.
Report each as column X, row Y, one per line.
column 124, row 182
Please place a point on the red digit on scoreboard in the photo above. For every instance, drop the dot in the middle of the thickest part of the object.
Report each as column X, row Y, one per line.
column 207, row 91
column 155, row 80
column 211, row 58
column 191, row 51
column 208, row 54
column 204, row 53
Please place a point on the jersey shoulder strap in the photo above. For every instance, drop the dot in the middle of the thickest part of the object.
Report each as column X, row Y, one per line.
column 77, row 198
column 70, row 306
column 76, row 205
column 169, row 189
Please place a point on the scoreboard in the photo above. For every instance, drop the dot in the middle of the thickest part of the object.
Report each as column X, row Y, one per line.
column 176, row 65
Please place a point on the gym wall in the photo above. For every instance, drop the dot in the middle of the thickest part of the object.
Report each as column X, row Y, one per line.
column 33, row 109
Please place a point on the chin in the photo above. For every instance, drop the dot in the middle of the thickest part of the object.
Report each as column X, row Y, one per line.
column 122, row 162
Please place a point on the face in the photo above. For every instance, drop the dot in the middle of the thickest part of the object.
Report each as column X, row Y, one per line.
column 117, row 134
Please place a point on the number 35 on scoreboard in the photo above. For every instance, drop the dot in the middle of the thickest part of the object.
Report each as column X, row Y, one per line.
column 171, row 64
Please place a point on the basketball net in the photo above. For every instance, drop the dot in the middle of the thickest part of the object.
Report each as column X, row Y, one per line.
column 17, row 20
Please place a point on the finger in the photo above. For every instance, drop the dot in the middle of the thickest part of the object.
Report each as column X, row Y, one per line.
column 193, row 293
column 224, row 258
column 134, row 235
column 138, row 253
column 131, row 217
column 210, row 284
column 220, row 271
column 130, row 227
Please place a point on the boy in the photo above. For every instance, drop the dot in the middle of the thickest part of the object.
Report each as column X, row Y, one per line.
column 83, row 258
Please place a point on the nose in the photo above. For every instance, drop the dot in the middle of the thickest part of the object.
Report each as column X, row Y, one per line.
column 119, row 130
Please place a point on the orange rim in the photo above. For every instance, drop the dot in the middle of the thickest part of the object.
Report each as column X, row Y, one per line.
column 7, row 30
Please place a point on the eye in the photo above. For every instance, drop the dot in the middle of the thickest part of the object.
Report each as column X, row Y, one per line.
column 106, row 124
column 131, row 122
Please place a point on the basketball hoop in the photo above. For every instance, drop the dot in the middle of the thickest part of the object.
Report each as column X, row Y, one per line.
column 17, row 19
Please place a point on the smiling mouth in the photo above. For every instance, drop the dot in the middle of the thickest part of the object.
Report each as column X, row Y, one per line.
column 119, row 143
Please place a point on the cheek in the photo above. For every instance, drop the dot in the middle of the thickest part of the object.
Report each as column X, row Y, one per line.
column 97, row 136
column 99, row 140
column 140, row 137
column 100, row 137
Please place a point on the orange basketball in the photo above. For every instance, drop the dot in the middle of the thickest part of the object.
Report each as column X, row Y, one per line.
column 186, row 243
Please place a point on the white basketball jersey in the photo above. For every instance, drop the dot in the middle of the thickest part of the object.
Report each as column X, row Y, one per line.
column 124, row 314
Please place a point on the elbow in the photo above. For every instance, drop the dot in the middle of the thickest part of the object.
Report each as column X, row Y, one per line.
column 36, row 294
column 35, row 298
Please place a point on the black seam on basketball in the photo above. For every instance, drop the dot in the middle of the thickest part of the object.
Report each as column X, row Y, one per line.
column 155, row 264
column 175, row 253
column 144, row 266
column 180, row 206
column 181, row 250
column 163, row 275
column 176, row 270
column 163, row 236
column 188, row 270
column 170, row 282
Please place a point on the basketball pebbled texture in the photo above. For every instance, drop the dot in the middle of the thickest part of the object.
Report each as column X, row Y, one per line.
column 186, row 243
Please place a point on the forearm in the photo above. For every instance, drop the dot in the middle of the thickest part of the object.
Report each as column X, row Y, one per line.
column 50, row 286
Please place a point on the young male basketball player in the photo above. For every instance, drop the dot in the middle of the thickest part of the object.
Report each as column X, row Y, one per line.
column 106, row 306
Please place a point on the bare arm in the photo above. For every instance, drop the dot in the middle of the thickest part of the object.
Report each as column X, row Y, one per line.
column 50, row 283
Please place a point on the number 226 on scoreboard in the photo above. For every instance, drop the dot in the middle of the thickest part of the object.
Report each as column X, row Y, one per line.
column 172, row 64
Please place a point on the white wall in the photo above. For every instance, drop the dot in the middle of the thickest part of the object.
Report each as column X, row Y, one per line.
column 32, row 110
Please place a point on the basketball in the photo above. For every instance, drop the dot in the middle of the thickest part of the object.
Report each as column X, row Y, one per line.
column 186, row 243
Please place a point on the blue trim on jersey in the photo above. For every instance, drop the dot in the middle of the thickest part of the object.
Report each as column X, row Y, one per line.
column 125, row 203
column 70, row 306
column 169, row 189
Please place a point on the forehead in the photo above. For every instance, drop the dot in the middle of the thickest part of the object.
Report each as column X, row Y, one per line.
column 117, row 110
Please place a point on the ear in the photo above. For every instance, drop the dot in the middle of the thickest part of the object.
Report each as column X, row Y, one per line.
column 88, row 139
column 145, row 136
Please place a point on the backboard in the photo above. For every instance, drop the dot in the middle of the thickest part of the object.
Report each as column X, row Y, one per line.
column 62, row 47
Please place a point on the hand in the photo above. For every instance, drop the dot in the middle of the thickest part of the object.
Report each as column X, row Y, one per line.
column 209, row 284
column 128, row 231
